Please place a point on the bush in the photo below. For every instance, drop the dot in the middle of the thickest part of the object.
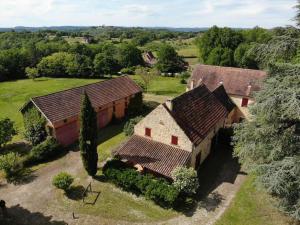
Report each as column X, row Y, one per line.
column 34, row 124
column 44, row 151
column 158, row 190
column 10, row 163
column 185, row 180
column 129, row 71
column 7, row 131
column 129, row 126
column 63, row 181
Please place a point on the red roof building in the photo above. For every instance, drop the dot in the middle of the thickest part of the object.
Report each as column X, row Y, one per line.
column 177, row 133
column 62, row 109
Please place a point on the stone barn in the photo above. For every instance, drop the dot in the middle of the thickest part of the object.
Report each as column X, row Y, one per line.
column 61, row 109
column 179, row 132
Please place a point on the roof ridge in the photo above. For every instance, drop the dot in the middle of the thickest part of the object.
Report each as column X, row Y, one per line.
column 86, row 85
column 230, row 67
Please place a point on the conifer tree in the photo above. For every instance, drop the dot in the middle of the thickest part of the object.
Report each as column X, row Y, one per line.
column 88, row 136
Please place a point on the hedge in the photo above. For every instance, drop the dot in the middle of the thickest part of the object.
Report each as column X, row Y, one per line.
column 157, row 189
column 44, row 151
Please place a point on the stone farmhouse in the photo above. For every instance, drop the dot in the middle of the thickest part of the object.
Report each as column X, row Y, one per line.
column 179, row 132
column 61, row 109
column 240, row 84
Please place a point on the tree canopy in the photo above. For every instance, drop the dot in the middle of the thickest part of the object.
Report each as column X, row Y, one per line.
column 269, row 144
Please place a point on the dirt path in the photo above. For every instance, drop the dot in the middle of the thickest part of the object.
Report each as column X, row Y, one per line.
column 30, row 200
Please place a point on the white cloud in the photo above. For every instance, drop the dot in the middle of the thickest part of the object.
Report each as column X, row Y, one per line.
column 235, row 13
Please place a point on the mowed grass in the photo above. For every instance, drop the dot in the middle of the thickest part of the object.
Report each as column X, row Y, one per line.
column 253, row 207
column 14, row 94
column 169, row 86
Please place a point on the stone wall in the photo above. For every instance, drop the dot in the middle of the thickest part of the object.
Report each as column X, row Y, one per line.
column 163, row 126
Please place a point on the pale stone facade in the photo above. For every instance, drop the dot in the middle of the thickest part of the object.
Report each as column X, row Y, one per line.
column 163, row 126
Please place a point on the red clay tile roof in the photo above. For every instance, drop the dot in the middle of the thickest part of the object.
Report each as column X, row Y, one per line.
column 223, row 97
column 235, row 80
column 152, row 155
column 197, row 112
column 65, row 104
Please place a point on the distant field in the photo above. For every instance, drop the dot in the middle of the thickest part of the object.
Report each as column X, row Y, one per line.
column 14, row 94
column 252, row 207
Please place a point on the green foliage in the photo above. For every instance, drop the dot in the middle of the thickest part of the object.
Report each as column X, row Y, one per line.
column 221, row 38
column 63, row 181
column 257, row 35
column 281, row 48
column 221, row 56
column 7, row 131
column 156, row 189
column 10, row 163
column 269, row 144
column 105, row 64
column 243, row 57
column 44, row 151
column 135, row 105
column 185, row 180
column 128, row 71
column 168, row 60
column 88, row 136
column 129, row 55
column 63, row 64
column 34, row 124
column 129, row 125
column 31, row 73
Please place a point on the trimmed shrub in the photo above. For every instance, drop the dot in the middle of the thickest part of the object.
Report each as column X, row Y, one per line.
column 129, row 125
column 44, row 151
column 10, row 163
column 157, row 189
column 63, row 181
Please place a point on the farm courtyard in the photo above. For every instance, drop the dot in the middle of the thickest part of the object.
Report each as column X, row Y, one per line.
column 227, row 193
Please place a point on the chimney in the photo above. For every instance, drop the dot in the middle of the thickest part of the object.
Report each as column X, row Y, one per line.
column 192, row 84
column 249, row 89
column 169, row 104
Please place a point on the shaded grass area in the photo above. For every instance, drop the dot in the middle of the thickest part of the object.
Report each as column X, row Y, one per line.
column 14, row 94
column 253, row 207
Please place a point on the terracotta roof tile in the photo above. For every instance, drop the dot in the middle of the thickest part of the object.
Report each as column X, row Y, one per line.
column 223, row 97
column 152, row 155
column 65, row 104
column 197, row 112
column 235, row 80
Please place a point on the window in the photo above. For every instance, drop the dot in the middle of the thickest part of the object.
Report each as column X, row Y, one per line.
column 148, row 132
column 245, row 102
column 174, row 140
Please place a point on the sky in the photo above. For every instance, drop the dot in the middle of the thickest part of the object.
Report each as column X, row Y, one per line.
column 148, row 13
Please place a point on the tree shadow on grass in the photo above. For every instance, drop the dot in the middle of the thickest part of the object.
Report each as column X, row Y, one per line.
column 17, row 215
column 76, row 192
column 22, row 176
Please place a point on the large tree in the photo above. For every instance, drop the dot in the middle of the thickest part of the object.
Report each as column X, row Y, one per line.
column 129, row 55
column 88, row 136
column 269, row 144
column 168, row 60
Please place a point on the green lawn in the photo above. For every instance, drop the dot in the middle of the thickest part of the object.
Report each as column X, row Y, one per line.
column 169, row 86
column 14, row 94
column 252, row 207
